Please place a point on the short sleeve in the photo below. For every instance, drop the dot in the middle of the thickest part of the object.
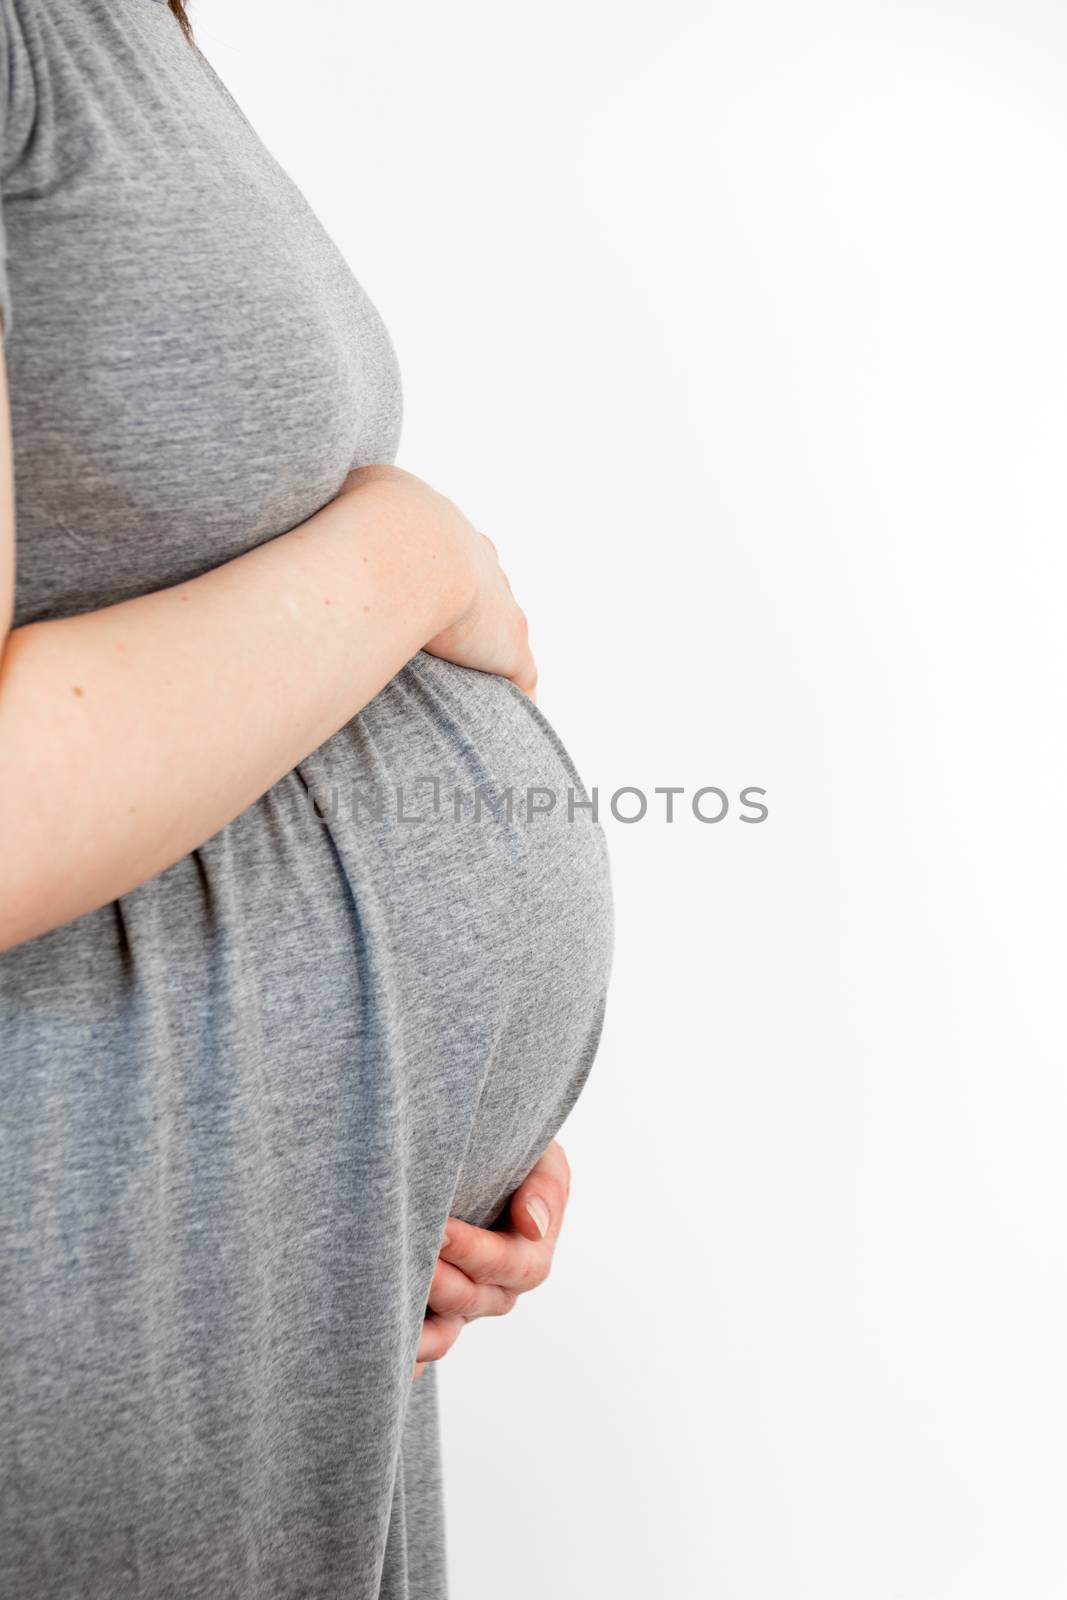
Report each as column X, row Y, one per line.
column 5, row 295
column 17, row 109
column 5, row 57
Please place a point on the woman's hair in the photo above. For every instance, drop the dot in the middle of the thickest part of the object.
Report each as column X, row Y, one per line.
column 178, row 7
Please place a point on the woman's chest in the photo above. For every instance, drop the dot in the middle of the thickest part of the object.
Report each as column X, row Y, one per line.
column 193, row 367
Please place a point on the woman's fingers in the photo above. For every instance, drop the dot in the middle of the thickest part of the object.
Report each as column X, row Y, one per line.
column 504, row 1259
column 492, row 634
column 526, row 677
column 538, row 1203
column 481, row 1271
column 453, row 1293
column 439, row 1334
column 518, row 1258
column 454, row 1301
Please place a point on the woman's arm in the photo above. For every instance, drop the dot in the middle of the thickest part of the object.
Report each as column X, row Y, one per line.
column 130, row 735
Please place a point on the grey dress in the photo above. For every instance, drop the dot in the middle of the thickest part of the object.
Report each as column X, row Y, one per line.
column 239, row 1103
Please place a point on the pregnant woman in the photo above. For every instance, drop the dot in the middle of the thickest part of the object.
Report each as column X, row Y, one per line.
column 280, row 994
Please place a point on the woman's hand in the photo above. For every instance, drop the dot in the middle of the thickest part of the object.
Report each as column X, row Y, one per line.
column 490, row 634
column 482, row 1271
column 175, row 710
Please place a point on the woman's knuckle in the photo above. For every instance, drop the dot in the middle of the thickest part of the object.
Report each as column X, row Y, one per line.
column 534, row 1271
column 504, row 1303
column 468, row 1301
column 477, row 1269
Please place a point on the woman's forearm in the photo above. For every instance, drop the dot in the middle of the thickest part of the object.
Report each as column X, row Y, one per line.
column 130, row 735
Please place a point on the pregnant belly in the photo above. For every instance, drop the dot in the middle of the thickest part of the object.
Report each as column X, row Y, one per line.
column 480, row 881
column 394, row 960
column 408, row 933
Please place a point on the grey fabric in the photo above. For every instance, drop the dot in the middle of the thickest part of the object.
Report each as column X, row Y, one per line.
column 239, row 1102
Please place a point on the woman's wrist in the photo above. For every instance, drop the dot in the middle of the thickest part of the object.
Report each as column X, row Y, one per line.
column 422, row 540
column 443, row 578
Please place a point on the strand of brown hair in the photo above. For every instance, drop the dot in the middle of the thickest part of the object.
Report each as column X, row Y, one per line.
column 178, row 7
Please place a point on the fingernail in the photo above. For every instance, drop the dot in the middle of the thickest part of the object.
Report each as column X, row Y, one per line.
column 446, row 1241
column 539, row 1211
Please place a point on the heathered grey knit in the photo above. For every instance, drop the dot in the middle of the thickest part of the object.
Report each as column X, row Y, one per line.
column 238, row 1104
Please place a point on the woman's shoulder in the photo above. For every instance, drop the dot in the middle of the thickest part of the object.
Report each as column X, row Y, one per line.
column 19, row 43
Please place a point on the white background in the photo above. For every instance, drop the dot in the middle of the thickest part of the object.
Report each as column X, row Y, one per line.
column 742, row 329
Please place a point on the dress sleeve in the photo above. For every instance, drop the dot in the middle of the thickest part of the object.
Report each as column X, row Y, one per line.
column 5, row 58
column 5, row 297
column 17, row 99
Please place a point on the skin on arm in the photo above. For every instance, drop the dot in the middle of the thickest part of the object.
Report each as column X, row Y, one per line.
column 171, row 713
